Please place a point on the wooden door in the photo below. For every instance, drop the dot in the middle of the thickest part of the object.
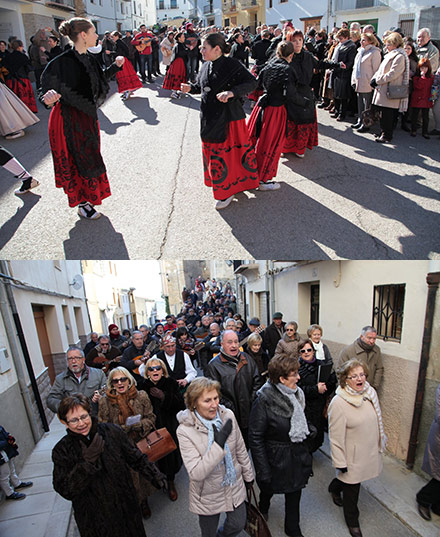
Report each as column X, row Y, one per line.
column 43, row 338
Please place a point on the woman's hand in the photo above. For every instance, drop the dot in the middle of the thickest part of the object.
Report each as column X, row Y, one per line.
column 185, row 88
column 342, row 65
column 51, row 97
column 224, row 96
column 157, row 393
column 222, row 435
column 322, row 388
column 119, row 61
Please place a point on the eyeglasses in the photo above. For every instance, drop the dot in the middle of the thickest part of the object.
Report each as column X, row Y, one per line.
column 75, row 421
column 72, row 358
column 120, row 380
column 303, row 351
column 290, row 330
column 105, row 344
column 355, row 377
column 154, row 368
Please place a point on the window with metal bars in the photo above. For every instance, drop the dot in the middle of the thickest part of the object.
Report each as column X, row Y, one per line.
column 388, row 302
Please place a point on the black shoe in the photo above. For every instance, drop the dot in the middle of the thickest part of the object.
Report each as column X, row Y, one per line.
column 23, row 485
column 405, row 127
column 382, row 140
column 413, row 134
column 341, row 117
column 363, row 129
column 322, row 105
column 87, row 211
column 16, row 496
column 356, row 125
column 434, row 132
column 337, row 499
column 426, row 136
column 424, row 512
column 355, row 531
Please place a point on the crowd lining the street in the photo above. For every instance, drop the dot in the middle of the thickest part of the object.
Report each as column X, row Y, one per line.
column 228, row 392
column 351, row 72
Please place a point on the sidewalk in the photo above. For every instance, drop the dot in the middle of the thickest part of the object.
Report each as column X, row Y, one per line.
column 45, row 514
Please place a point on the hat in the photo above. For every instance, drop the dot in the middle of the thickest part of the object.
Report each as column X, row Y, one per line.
column 254, row 321
column 168, row 340
column 111, row 326
column 277, row 315
column 287, row 24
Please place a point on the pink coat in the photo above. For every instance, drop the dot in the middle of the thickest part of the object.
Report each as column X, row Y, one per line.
column 421, row 92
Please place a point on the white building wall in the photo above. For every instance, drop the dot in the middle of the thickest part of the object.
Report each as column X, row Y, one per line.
column 11, row 22
column 293, row 10
column 103, row 12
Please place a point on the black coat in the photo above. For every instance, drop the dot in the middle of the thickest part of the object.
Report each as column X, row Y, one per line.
column 238, row 390
column 271, row 337
column 341, row 78
column 7, row 444
column 165, row 412
column 278, row 461
column 239, row 52
column 224, row 74
column 103, row 497
column 18, row 64
column 259, row 49
column 302, row 65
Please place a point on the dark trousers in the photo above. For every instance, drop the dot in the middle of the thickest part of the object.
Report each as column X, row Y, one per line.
column 145, row 59
column 429, row 496
column 350, row 496
column 415, row 118
column 341, row 106
column 387, row 121
column 193, row 67
column 233, row 526
column 291, row 510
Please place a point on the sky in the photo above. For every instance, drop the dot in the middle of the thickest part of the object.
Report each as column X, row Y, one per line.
column 143, row 275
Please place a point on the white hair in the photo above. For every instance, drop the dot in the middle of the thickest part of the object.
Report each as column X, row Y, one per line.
column 427, row 30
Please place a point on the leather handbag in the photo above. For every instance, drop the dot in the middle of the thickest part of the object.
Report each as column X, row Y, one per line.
column 157, row 444
column 256, row 525
column 397, row 92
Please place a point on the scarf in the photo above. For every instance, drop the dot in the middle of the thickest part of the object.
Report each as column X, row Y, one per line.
column 230, row 476
column 364, row 345
column 121, row 401
column 357, row 398
column 403, row 106
column 319, row 350
column 298, row 423
column 358, row 60
column 238, row 361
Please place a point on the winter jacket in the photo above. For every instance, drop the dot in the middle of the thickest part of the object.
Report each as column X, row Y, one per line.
column 431, row 459
column 207, row 496
column 369, row 58
column 287, row 466
column 7, row 445
column 391, row 72
column 238, row 389
column 354, row 439
column 288, row 345
column 272, row 335
column 421, row 94
column 67, row 384
column 373, row 360
column 341, row 78
column 431, row 52
column 103, row 497
column 303, row 65
column 94, row 357
column 259, row 49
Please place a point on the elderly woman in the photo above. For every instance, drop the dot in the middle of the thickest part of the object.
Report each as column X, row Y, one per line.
column 315, row 388
column 290, row 341
column 91, row 469
column 255, row 350
column 366, row 63
column 277, row 437
column 357, row 439
column 131, row 409
column 215, row 457
column 393, row 71
column 167, row 400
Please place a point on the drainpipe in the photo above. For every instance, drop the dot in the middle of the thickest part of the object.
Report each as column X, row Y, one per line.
column 432, row 279
column 15, row 352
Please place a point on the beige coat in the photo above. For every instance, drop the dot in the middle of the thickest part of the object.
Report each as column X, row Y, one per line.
column 289, row 346
column 369, row 63
column 390, row 71
column 207, row 496
column 354, row 439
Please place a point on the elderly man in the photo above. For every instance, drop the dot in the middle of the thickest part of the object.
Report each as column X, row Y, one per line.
column 427, row 49
column 239, row 379
column 135, row 354
column 104, row 356
column 78, row 378
column 365, row 350
column 92, row 343
column 179, row 365
column 211, row 346
column 273, row 333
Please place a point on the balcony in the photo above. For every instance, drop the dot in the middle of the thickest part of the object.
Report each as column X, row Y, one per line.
column 229, row 6
column 250, row 4
column 192, row 14
column 350, row 5
column 65, row 5
column 207, row 10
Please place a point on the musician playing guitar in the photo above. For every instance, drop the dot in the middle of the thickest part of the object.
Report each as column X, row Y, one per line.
column 104, row 356
column 142, row 42
column 135, row 354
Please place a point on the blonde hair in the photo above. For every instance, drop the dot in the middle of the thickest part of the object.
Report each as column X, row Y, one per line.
column 125, row 372
column 312, row 328
column 394, row 39
column 345, row 368
column 371, row 38
column 254, row 338
column 160, row 362
column 196, row 389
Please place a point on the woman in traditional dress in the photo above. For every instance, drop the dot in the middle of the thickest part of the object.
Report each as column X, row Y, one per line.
column 166, row 48
column 14, row 114
column 127, row 79
column 176, row 74
column 267, row 123
column 10, row 163
column 75, row 85
column 229, row 159
column 19, row 66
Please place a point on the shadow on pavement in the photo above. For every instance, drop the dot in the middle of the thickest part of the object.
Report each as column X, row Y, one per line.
column 8, row 229
column 141, row 109
column 95, row 240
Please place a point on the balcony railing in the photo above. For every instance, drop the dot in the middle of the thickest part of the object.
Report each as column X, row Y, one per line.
column 346, row 5
column 68, row 5
column 208, row 9
column 230, row 5
column 249, row 4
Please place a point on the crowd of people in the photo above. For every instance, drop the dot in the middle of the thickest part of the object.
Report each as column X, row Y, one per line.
column 350, row 72
column 228, row 392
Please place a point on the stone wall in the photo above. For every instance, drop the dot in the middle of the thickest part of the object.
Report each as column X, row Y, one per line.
column 43, row 382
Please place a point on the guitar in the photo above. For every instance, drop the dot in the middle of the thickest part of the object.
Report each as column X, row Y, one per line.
column 143, row 44
column 144, row 357
column 258, row 330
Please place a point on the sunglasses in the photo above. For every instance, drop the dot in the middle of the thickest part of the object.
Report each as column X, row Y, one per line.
column 120, row 380
column 154, row 368
column 303, row 351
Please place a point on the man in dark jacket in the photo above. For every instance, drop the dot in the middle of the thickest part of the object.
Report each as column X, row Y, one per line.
column 104, row 356
column 135, row 354
column 259, row 48
column 238, row 375
column 273, row 333
column 92, row 343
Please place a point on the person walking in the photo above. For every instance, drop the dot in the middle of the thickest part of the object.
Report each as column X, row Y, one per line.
column 127, row 79
column 19, row 66
column 10, row 163
column 10, row 483
column 421, row 101
column 177, row 72
column 74, row 85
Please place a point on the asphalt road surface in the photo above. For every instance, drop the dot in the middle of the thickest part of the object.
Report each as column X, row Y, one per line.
column 349, row 198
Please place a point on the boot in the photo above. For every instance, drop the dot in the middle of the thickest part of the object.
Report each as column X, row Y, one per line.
column 145, row 508
column 172, row 492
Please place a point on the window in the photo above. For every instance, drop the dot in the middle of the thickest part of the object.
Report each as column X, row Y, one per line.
column 314, row 304
column 388, row 310
column 283, row 1
column 134, row 8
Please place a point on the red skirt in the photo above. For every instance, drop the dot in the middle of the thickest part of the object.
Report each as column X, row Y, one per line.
column 176, row 75
column 79, row 189
column 270, row 143
column 23, row 89
column 301, row 136
column 230, row 166
column 127, row 78
column 258, row 92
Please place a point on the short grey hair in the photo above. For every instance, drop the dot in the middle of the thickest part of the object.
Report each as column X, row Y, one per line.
column 137, row 332
column 223, row 334
column 366, row 329
column 229, row 321
column 104, row 336
column 74, row 348
column 144, row 326
column 355, row 26
column 427, row 30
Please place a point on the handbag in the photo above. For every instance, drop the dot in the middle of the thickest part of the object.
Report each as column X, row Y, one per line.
column 157, row 444
column 256, row 525
column 397, row 92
